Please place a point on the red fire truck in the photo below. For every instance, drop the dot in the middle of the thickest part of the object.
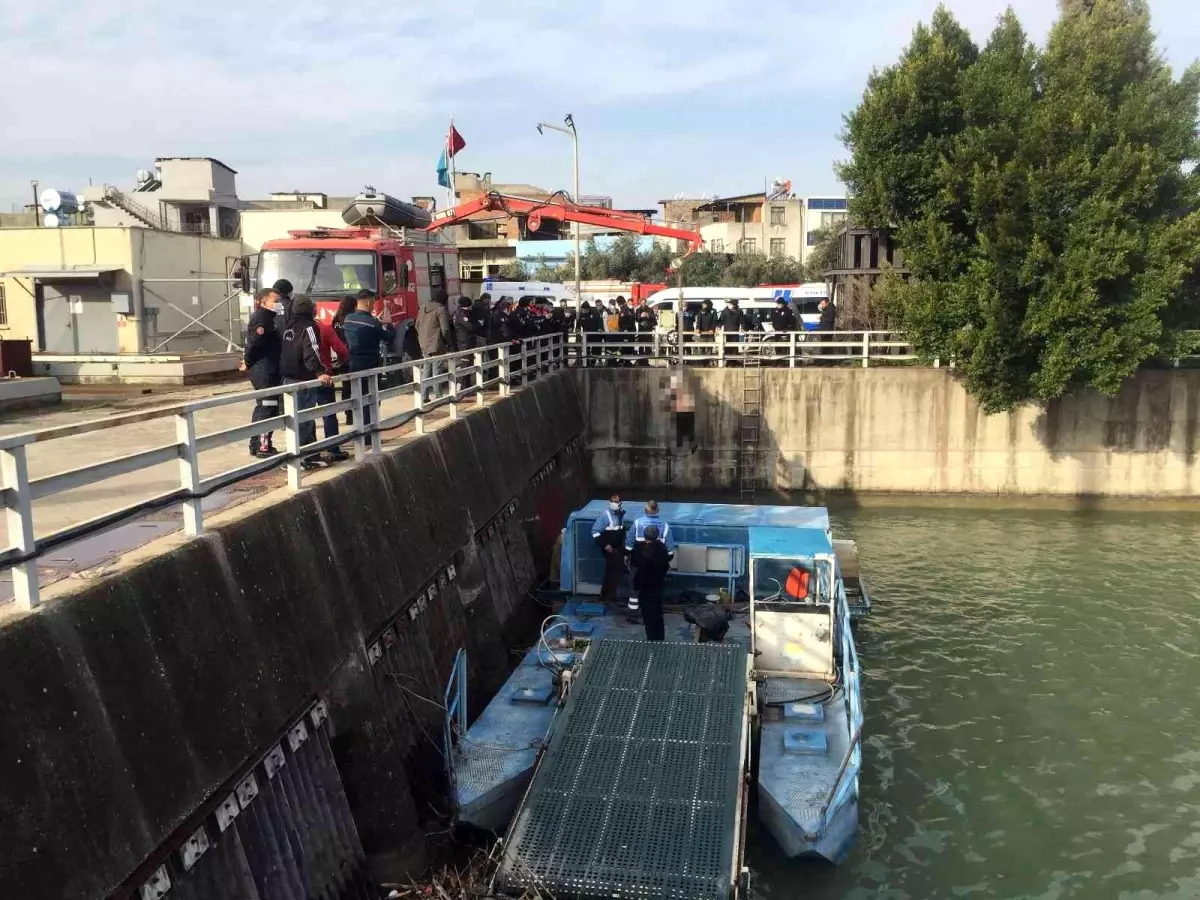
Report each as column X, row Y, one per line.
column 404, row 267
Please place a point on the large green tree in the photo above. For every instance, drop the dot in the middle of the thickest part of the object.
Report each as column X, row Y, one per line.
column 1046, row 200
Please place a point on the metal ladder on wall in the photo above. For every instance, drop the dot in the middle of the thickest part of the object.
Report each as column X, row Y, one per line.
column 751, row 418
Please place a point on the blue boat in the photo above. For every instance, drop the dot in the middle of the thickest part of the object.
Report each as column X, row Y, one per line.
column 779, row 696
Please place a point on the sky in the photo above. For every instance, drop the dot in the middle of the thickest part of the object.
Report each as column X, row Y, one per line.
column 671, row 97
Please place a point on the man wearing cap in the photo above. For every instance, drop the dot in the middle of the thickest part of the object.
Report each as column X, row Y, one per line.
column 636, row 537
column 651, row 562
column 608, row 531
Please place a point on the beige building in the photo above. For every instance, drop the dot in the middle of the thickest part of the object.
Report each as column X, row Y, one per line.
column 757, row 223
column 118, row 290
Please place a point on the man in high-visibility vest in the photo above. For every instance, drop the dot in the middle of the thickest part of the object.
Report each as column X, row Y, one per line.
column 608, row 531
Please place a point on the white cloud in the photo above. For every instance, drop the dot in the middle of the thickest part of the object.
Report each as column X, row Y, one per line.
column 327, row 95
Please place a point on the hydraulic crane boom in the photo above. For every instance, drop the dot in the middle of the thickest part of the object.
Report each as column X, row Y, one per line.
column 561, row 209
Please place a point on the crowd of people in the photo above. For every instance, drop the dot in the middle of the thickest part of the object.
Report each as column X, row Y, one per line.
column 287, row 344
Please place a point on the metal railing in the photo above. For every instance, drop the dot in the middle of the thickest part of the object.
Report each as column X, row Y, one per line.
column 793, row 348
column 439, row 381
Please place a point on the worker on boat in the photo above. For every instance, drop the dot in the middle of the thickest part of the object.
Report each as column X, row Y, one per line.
column 608, row 531
column 651, row 562
column 637, row 535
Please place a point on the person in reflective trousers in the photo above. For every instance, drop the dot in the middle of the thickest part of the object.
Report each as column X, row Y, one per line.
column 637, row 536
column 608, row 531
column 651, row 562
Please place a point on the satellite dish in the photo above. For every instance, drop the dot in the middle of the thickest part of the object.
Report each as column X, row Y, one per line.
column 50, row 220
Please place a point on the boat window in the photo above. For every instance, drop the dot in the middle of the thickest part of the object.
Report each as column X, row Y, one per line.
column 708, row 559
column 774, row 577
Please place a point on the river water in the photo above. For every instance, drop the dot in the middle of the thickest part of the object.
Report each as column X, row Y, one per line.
column 1030, row 681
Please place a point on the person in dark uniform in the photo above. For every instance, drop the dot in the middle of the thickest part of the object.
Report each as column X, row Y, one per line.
column 591, row 324
column 782, row 318
column 646, row 322
column 731, row 321
column 651, row 562
column 261, row 364
column 608, row 531
column 626, row 325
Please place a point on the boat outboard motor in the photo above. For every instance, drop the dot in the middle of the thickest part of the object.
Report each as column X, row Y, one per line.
column 711, row 619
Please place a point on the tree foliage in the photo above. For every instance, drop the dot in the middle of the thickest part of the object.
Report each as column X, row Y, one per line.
column 624, row 260
column 823, row 255
column 1046, row 199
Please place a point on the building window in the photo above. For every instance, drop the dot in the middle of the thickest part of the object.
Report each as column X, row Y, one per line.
column 716, row 245
column 828, row 203
column 777, row 247
column 830, row 219
column 747, row 245
column 778, row 215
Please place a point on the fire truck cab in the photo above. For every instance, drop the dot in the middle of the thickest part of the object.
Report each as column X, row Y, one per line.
column 404, row 268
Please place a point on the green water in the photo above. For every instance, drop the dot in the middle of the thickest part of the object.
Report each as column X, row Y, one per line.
column 1030, row 680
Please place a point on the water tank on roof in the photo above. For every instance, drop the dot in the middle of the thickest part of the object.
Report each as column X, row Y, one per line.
column 143, row 175
column 62, row 202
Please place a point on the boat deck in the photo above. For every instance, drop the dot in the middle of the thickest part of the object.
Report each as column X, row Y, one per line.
column 640, row 793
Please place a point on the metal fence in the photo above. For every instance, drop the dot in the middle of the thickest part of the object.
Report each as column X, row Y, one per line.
column 440, row 381
column 791, row 349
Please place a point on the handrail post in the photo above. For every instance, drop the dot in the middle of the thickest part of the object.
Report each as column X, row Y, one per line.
column 419, row 396
column 721, row 349
column 360, row 419
column 291, row 431
column 583, row 349
column 18, row 516
column 189, row 472
column 502, row 357
column 376, row 414
column 866, row 347
column 452, row 384
column 479, row 379
column 791, row 349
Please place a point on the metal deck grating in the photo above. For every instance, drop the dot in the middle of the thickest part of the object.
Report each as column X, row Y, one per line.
column 638, row 794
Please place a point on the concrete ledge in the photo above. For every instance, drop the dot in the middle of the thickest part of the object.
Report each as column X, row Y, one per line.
column 22, row 393
column 178, row 369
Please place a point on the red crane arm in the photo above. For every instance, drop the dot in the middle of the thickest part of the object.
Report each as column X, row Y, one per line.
column 561, row 210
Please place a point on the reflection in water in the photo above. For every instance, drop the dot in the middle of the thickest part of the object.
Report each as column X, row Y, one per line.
column 1030, row 679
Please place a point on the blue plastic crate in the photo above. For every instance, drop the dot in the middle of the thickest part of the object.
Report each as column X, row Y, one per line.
column 805, row 741
column 804, row 712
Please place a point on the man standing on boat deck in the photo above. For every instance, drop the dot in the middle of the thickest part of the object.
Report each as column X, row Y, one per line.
column 637, row 536
column 651, row 562
column 608, row 531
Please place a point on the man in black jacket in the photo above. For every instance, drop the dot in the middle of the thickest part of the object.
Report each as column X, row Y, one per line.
column 782, row 318
column 261, row 362
column 730, row 321
column 300, row 361
column 283, row 288
column 480, row 313
column 592, row 325
column 651, row 562
column 364, row 334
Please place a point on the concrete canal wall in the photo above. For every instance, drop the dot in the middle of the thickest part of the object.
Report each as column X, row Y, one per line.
column 130, row 705
column 896, row 429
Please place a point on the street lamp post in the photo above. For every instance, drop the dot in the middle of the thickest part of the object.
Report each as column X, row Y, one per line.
column 570, row 130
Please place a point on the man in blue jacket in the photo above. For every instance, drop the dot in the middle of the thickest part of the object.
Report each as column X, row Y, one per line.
column 608, row 532
column 364, row 334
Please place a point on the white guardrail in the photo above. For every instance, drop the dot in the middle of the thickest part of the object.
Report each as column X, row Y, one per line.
column 462, row 375
column 459, row 376
column 793, row 348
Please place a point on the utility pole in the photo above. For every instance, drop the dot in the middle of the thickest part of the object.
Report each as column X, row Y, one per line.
column 37, row 219
column 570, row 130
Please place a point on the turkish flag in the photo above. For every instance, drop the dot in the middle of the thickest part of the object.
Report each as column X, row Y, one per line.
column 455, row 142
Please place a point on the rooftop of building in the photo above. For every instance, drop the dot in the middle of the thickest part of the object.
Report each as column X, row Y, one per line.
column 210, row 159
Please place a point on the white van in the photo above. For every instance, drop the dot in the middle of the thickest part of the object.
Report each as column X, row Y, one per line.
column 542, row 293
column 756, row 303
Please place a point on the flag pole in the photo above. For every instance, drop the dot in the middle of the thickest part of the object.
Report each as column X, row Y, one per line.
column 450, row 156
